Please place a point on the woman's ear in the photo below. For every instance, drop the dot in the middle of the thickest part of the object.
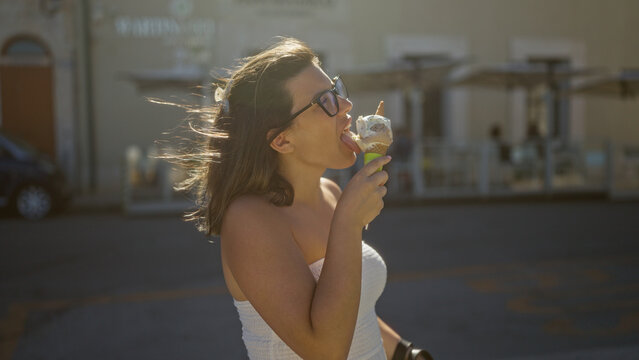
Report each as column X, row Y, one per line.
column 282, row 143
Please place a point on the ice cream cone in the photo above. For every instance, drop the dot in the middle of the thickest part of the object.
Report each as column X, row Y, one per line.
column 376, row 150
column 380, row 149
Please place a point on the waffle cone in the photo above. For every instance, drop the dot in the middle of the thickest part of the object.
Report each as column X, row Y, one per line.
column 377, row 149
column 378, row 139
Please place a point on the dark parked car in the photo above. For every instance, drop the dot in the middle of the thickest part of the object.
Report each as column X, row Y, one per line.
column 30, row 182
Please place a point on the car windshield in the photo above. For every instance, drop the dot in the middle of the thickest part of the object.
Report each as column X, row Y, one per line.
column 19, row 148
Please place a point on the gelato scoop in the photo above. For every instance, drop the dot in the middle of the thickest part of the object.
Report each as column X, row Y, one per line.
column 374, row 134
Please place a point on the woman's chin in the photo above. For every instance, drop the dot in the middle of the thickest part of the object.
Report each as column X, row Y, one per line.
column 347, row 161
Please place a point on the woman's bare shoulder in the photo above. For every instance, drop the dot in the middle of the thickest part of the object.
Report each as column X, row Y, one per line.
column 252, row 212
column 331, row 186
column 249, row 201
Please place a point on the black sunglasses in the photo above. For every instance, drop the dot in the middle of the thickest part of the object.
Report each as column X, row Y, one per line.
column 327, row 99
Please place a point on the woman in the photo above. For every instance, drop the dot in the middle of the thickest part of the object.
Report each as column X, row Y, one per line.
column 304, row 283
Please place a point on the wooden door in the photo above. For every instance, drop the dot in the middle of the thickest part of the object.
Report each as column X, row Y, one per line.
column 26, row 87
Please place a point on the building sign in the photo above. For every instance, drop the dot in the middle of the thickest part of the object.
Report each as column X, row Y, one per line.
column 191, row 39
column 155, row 27
column 180, row 22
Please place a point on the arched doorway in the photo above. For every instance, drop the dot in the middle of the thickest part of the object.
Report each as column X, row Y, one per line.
column 26, row 88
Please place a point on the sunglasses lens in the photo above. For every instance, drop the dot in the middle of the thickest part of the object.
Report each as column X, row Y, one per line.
column 329, row 102
column 341, row 88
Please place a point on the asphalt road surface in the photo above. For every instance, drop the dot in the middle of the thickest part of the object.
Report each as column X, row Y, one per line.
column 480, row 281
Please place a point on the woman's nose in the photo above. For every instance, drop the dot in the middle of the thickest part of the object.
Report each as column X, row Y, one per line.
column 345, row 105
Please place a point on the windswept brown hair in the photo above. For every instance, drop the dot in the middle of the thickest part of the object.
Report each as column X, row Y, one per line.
column 233, row 156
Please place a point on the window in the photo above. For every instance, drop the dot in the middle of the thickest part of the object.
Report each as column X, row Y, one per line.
column 24, row 50
column 25, row 47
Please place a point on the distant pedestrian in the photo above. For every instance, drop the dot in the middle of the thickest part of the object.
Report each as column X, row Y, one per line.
column 502, row 148
column 534, row 141
column 303, row 282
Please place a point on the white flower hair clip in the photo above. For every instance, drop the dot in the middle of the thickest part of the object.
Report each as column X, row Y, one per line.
column 222, row 96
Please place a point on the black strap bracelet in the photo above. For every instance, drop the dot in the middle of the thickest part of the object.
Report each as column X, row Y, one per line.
column 419, row 354
column 402, row 350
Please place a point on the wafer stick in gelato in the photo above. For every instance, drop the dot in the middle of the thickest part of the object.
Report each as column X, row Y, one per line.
column 380, row 108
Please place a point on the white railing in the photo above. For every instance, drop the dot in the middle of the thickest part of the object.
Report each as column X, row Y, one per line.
column 624, row 172
column 484, row 170
column 490, row 170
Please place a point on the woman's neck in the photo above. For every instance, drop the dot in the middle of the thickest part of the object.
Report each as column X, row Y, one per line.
column 306, row 182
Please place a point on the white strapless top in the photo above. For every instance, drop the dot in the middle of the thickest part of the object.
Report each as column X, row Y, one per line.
column 263, row 344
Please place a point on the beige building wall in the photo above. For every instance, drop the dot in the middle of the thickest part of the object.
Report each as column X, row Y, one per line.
column 352, row 34
column 492, row 28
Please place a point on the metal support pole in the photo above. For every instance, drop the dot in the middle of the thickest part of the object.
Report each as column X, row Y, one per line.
column 610, row 169
column 86, row 47
column 549, row 168
column 126, row 185
column 484, row 168
column 418, row 146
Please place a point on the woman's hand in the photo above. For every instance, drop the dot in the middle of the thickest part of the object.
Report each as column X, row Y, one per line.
column 362, row 199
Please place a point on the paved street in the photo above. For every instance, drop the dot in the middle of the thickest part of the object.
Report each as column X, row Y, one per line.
column 479, row 281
